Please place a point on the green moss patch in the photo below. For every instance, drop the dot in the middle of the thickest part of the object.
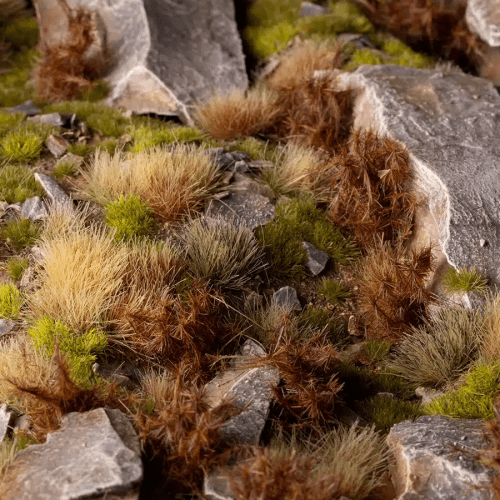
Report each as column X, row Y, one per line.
column 464, row 281
column 326, row 322
column 145, row 137
column 17, row 183
column 10, row 301
column 20, row 233
column 16, row 267
column 20, row 33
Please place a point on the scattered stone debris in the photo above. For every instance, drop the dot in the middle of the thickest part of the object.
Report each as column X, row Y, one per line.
column 287, row 297
column 56, row 145
column 34, row 209
column 7, row 419
column 316, row 259
column 53, row 190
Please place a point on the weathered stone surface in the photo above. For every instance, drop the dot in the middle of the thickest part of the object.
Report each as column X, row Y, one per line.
column 434, row 460
column 164, row 54
column 6, row 326
column 450, row 124
column 34, row 209
column 7, row 419
column 55, row 119
column 316, row 259
column 287, row 297
column 428, row 394
column 28, row 108
column 93, row 455
column 217, row 486
column 56, row 145
column 53, row 190
column 483, row 18
column 246, row 203
column 311, row 9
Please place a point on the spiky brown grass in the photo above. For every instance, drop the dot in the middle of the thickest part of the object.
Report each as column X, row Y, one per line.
column 173, row 182
column 372, row 198
column 66, row 70
column 392, row 293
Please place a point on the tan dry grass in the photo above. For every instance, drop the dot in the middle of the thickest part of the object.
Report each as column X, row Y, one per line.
column 173, row 182
column 490, row 349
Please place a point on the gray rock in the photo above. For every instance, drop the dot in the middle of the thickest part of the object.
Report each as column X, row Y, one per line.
column 165, row 54
column 7, row 419
column 246, row 202
column 428, row 394
column 53, row 190
column 287, row 297
column 483, row 18
column 434, row 460
column 217, row 486
column 56, row 145
column 55, row 119
column 93, row 455
column 311, row 9
column 34, row 209
column 316, row 259
column 6, row 326
column 450, row 124
column 28, row 108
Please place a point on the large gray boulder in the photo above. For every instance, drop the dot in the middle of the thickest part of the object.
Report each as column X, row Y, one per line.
column 434, row 460
column 93, row 455
column 483, row 18
column 451, row 124
column 165, row 54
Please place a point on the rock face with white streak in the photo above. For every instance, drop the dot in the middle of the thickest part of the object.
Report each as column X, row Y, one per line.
column 483, row 18
column 450, row 123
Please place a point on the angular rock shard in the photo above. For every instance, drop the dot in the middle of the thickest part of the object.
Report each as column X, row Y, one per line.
column 450, row 124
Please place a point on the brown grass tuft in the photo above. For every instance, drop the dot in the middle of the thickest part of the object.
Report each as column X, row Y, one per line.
column 372, row 198
column 67, row 69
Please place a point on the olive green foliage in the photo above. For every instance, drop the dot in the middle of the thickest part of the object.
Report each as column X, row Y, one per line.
column 21, row 146
column 20, row 233
column 146, row 137
column 16, row 267
column 299, row 220
column 334, row 291
column 376, row 350
column 17, row 183
column 15, row 84
column 256, row 148
column 64, row 169
column 331, row 325
column 131, row 217
column 8, row 121
column 384, row 412
column 474, row 399
column 10, row 301
column 109, row 122
column 80, row 149
column 20, row 33
column 10, row 447
column 82, row 348
column 97, row 92
column 464, row 280
column 108, row 145
column 441, row 348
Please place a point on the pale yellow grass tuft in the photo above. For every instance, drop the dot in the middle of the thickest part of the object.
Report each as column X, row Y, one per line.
column 174, row 182
column 490, row 349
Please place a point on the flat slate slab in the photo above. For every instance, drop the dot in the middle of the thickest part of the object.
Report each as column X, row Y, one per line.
column 451, row 126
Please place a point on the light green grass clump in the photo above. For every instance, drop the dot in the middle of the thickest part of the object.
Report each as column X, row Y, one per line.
column 329, row 324
column 82, row 348
column 334, row 291
column 130, row 217
column 257, row 149
column 145, row 137
column 376, row 350
column 64, row 169
column 81, row 149
column 17, row 183
column 20, row 233
column 21, row 146
column 474, row 399
column 464, row 281
column 97, row 92
column 10, row 301
column 8, row 121
column 16, row 267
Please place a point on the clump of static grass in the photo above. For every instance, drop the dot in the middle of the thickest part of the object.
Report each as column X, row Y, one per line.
column 238, row 114
column 464, row 281
column 16, row 267
column 146, row 137
column 130, row 217
column 392, row 293
column 326, row 322
column 490, row 348
column 21, row 146
column 10, row 301
column 173, row 183
column 441, row 349
column 81, row 348
column 81, row 149
column 81, row 277
column 474, row 399
column 17, row 183
column 223, row 253
column 334, row 291
column 257, row 149
column 64, row 169
column 9, row 121
column 376, row 350
column 64, row 218
column 9, row 449
column 20, row 233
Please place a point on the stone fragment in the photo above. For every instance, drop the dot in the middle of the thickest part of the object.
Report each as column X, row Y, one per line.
column 55, row 119
column 165, row 54
column 6, row 326
column 247, row 203
column 53, row 190
column 483, row 18
column 217, row 486
column 316, row 259
column 226, row 160
column 34, row 209
column 287, row 297
column 28, row 108
column 450, row 123
column 3, row 208
column 434, row 460
column 56, row 145
column 93, row 455
column 311, row 9
column 428, row 394
column 7, row 419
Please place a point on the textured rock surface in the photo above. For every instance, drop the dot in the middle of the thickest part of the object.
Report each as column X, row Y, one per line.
column 430, row 464
column 27, row 107
column 34, row 209
column 6, row 326
column 483, row 18
column 56, row 145
column 94, row 455
column 53, row 190
column 164, row 54
column 287, row 297
column 311, row 9
column 7, row 418
column 316, row 259
column 451, row 124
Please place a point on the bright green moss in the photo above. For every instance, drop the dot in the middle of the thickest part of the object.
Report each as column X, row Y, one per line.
column 16, row 267
column 21, row 146
column 9, row 121
column 20, row 33
column 334, row 291
column 474, row 399
column 10, row 301
column 16, row 85
column 130, row 217
column 266, row 41
column 17, row 183
column 80, row 149
column 146, row 137
column 270, row 12
column 82, row 349
column 464, row 281
column 256, row 148
column 20, row 233
column 365, row 56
